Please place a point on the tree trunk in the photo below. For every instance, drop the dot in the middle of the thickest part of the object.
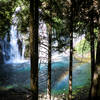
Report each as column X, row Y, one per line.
column 49, row 63
column 95, row 89
column 92, row 93
column 98, row 48
column 49, row 54
column 34, row 48
column 71, row 54
column 98, row 54
column 98, row 62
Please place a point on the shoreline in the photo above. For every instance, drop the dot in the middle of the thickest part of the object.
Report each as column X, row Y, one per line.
column 82, row 58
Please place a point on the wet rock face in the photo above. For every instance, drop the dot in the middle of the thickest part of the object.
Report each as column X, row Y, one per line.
column 19, row 42
column 1, row 53
column 1, row 58
column 4, row 51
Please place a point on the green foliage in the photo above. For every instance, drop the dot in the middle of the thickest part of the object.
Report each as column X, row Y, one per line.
column 7, row 8
column 60, row 19
column 5, row 17
column 23, row 16
column 96, row 31
column 82, row 47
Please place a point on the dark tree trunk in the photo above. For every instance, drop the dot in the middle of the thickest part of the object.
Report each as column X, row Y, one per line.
column 95, row 87
column 93, row 69
column 98, row 41
column 71, row 52
column 98, row 49
column 34, row 47
column 98, row 62
column 98, row 54
column 49, row 62
column 49, row 53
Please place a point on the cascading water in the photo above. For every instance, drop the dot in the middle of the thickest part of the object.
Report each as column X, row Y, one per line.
column 17, row 48
column 14, row 51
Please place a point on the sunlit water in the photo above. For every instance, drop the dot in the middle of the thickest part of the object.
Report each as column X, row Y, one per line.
column 18, row 75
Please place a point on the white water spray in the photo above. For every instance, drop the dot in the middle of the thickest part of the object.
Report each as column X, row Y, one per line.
column 16, row 55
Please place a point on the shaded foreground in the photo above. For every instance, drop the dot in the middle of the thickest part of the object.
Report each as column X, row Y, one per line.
column 20, row 94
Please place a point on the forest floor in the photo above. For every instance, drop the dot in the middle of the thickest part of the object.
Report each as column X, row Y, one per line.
column 8, row 95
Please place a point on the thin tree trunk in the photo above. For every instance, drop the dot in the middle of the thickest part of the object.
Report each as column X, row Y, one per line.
column 49, row 54
column 98, row 54
column 34, row 48
column 49, row 63
column 93, row 69
column 71, row 54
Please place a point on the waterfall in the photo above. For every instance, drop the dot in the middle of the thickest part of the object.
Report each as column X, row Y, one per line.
column 14, row 51
column 17, row 48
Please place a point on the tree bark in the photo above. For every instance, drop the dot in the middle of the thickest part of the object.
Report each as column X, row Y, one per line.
column 49, row 54
column 71, row 52
column 98, row 41
column 98, row 62
column 34, row 48
column 49, row 63
column 98, row 54
column 93, row 67
column 95, row 88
